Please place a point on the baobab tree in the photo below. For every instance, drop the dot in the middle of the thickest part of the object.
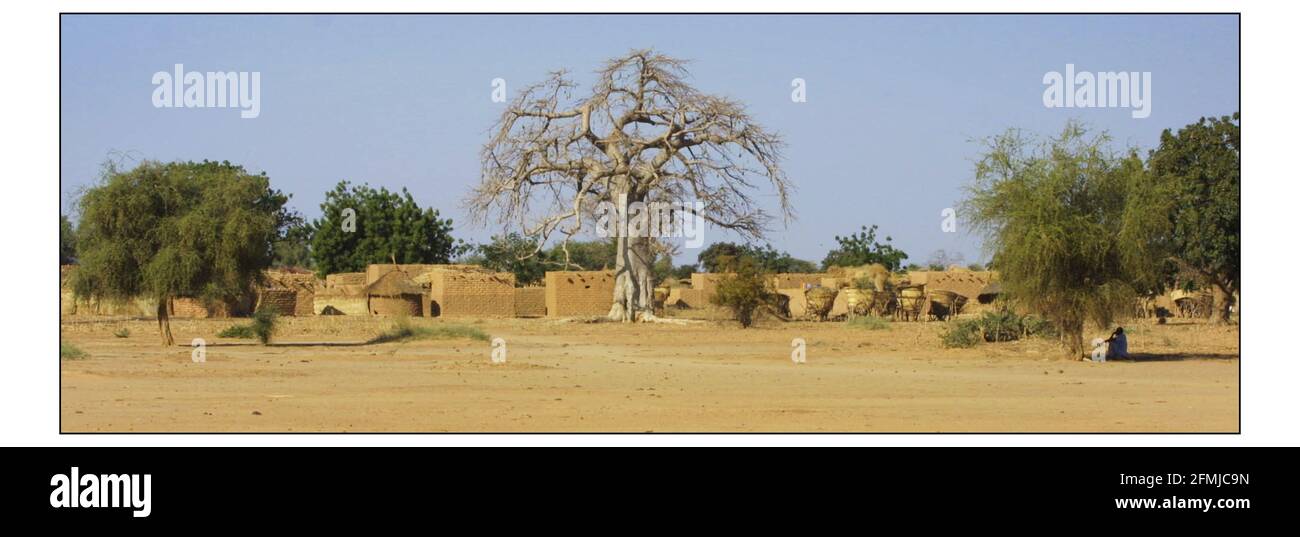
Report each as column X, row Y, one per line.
column 641, row 134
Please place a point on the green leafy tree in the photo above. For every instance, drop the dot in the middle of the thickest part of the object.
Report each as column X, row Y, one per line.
column 596, row 254
column 293, row 249
column 381, row 227
column 746, row 291
column 161, row 231
column 683, row 272
column 719, row 256
column 862, row 248
column 67, row 242
column 516, row 254
column 772, row 260
column 1198, row 173
column 1057, row 216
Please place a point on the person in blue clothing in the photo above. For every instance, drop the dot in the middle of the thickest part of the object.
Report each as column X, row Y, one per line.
column 1118, row 347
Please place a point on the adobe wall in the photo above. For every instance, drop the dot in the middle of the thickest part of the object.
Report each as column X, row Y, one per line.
column 194, row 308
column 280, row 301
column 797, row 280
column 530, row 302
column 353, row 303
column 304, row 302
column 920, row 277
column 303, row 285
column 403, row 305
column 378, row 270
column 471, row 292
column 706, row 281
column 579, row 293
column 344, row 279
column 342, row 293
column 798, row 301
column 965, row 283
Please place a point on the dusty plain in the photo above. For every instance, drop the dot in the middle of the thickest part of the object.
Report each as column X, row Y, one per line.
column 319, row 376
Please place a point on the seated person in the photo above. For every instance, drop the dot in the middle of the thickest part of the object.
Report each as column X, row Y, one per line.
column 1115, row 346
column 1118, row 347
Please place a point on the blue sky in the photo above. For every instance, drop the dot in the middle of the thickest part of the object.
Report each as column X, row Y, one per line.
column 885, row 137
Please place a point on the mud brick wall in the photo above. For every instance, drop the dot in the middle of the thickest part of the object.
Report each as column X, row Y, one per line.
column 343, row 293
column 459, row 292
column 797, row 280
column 579, row 293
column 279, row 301
column 346, row 303
column 964, row 283
column 402, row 305
column 798, row 302
column 707, row 282
column 376, row 271
column 345, row 278
column 920, row 277
column 303, row 304
column 530, row 302
column 689, row 298
column 194, row 308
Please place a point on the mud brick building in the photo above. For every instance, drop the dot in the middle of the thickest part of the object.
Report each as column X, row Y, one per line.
column 579, row 293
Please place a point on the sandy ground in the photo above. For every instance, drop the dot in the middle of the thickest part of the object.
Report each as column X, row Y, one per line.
column 570, row 376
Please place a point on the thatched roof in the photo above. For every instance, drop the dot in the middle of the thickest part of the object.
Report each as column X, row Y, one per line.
column 993, row 288
column 394, row 283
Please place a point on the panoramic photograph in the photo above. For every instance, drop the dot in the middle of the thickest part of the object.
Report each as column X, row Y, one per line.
column 676, row 223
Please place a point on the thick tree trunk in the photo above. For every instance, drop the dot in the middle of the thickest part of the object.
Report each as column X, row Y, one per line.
column 1221, row 309
column 633, row 286
column 164, row 324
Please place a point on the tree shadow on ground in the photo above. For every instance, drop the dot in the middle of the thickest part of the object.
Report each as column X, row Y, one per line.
column 1175, row 356
column 287, row 344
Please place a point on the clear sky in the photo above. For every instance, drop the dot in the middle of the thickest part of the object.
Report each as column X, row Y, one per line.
column 885, row 137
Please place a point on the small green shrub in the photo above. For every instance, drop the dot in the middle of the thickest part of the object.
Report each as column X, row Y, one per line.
column 746, row 291
column 68, row 351
column 1000, row 326
column 239, row 331
column 868, row 322
column 401, row 330
column 263, row 326
column 996, row 327
column 1040, row 327
column 122, row 332
column 961, row 334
